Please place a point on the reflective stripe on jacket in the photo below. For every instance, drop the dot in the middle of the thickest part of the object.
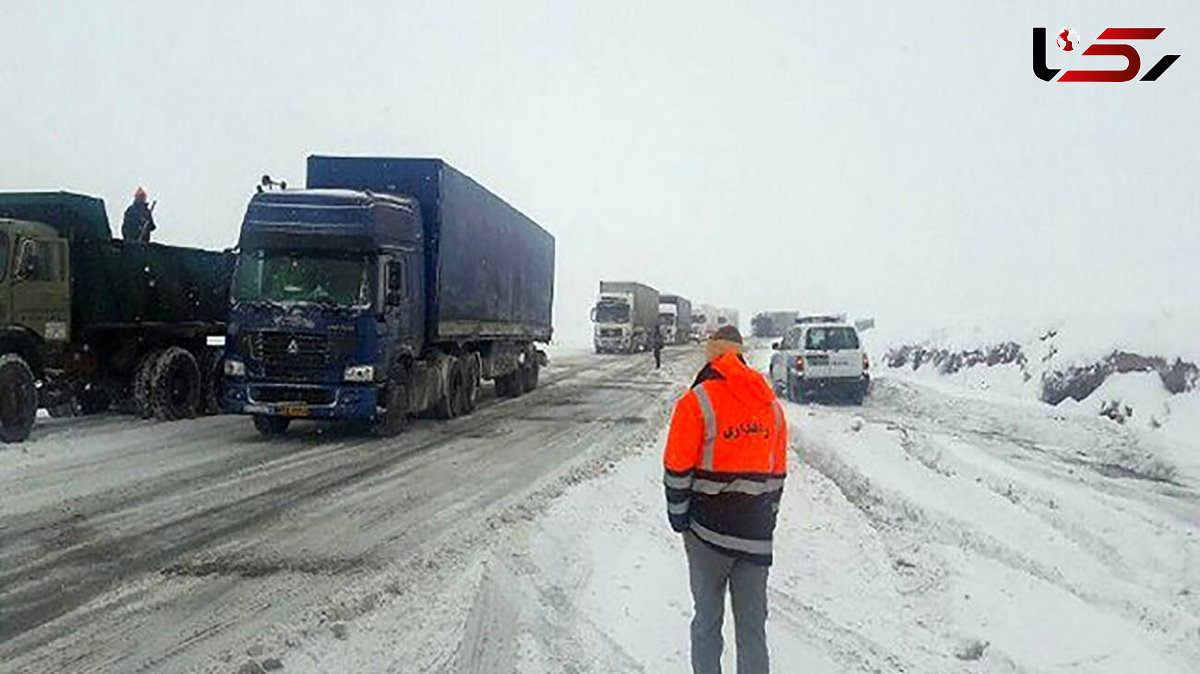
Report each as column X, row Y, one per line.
column 726, row 460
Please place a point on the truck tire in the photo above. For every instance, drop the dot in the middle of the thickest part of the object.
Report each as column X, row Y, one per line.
column 471, row 392
column 450, row 405
column 271, row 426
column 18, row 398
column 212, row 369
column 143, row 374
column 396, row 403
column 175, row 385
column 529, row 375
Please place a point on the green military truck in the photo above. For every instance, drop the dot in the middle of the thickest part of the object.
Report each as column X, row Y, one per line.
column 89, row 322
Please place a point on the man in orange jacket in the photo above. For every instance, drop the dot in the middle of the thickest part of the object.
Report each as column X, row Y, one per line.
column 725, row 463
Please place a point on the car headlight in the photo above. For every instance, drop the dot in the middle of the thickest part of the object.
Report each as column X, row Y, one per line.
column 360, row 373
column 234, row 368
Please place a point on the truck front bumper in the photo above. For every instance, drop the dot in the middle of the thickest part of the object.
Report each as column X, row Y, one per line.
column 302, row 401
column 612, row 344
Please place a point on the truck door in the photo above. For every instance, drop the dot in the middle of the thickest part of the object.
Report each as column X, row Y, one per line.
column 400, row 303
column 40, row 290
column 6, row 255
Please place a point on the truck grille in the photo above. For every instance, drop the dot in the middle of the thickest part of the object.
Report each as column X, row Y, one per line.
column 610, row 332
column 291, row 355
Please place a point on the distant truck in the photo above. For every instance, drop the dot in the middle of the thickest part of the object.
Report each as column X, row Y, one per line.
column 88, row 322
column 772, row 323
column 625, row 316
column 727, row 316
column 704, row 321
column 390, row 287
column 675, row 319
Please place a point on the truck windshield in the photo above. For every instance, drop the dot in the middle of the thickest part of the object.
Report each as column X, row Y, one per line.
column 302, row 277
column 612, row 313
column 666, row 319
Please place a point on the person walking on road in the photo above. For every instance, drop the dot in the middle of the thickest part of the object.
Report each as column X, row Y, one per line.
column 139, row 219
column 724, row 468
column 656, row 343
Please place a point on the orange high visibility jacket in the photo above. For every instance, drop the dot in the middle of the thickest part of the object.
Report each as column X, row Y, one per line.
column 726, row 460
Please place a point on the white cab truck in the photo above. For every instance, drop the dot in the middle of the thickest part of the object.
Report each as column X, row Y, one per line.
column 820, row 359
column 675, row 319
column 704, row 321
column 727, row 316
column 624, row 317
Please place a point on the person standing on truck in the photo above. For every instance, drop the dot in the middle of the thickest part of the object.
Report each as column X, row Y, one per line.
column 656, row 343
column 724, row 467
column 139, row 219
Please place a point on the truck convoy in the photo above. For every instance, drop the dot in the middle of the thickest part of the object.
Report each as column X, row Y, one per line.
column 88, row 321
column 675, row 319
column 624, row 317
column 388, row 288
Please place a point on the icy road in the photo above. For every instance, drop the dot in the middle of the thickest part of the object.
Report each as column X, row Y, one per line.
column 932, row 530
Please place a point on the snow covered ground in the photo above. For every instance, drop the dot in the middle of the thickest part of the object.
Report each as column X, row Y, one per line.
column 933, row 530
column 1050, row 347
column 938, row 528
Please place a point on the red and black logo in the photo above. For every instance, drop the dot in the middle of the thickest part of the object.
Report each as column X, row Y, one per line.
column 1067, row 40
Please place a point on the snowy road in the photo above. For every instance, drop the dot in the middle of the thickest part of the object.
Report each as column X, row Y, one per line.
column 932, row 530
column 935, row 529
column 128, row 545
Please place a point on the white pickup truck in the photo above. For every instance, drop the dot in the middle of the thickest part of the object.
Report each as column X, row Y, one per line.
column 820, row 358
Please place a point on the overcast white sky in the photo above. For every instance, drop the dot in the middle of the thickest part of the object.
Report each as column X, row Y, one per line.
column 896, row 159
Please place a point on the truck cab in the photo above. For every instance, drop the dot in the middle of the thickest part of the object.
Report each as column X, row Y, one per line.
column 327, row 295
column 35, row 288
column 613, row 319
column 668, row 322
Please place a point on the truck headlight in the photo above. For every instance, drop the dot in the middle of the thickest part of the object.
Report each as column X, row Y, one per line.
column 360, row 373
column 234, row 368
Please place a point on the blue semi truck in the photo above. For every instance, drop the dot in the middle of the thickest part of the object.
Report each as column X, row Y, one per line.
column 388, row 288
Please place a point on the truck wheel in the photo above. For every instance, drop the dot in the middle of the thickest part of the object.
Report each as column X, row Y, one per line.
column 529, row 376
column 18, row 398
column 471, row 387
column 271, row 426
column 142, row 376
column 451, row 403
column 396, row 402
column 211, row 368
column 175, row 385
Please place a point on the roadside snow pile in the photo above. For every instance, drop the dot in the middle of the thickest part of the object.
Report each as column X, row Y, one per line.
column 1131, row 371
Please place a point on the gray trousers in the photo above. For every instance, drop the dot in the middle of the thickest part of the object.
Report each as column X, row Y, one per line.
column 711, row 572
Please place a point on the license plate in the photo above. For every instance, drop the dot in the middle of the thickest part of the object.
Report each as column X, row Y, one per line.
column 294, row 410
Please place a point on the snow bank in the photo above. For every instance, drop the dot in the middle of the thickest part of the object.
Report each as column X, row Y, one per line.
column 1145, row 364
